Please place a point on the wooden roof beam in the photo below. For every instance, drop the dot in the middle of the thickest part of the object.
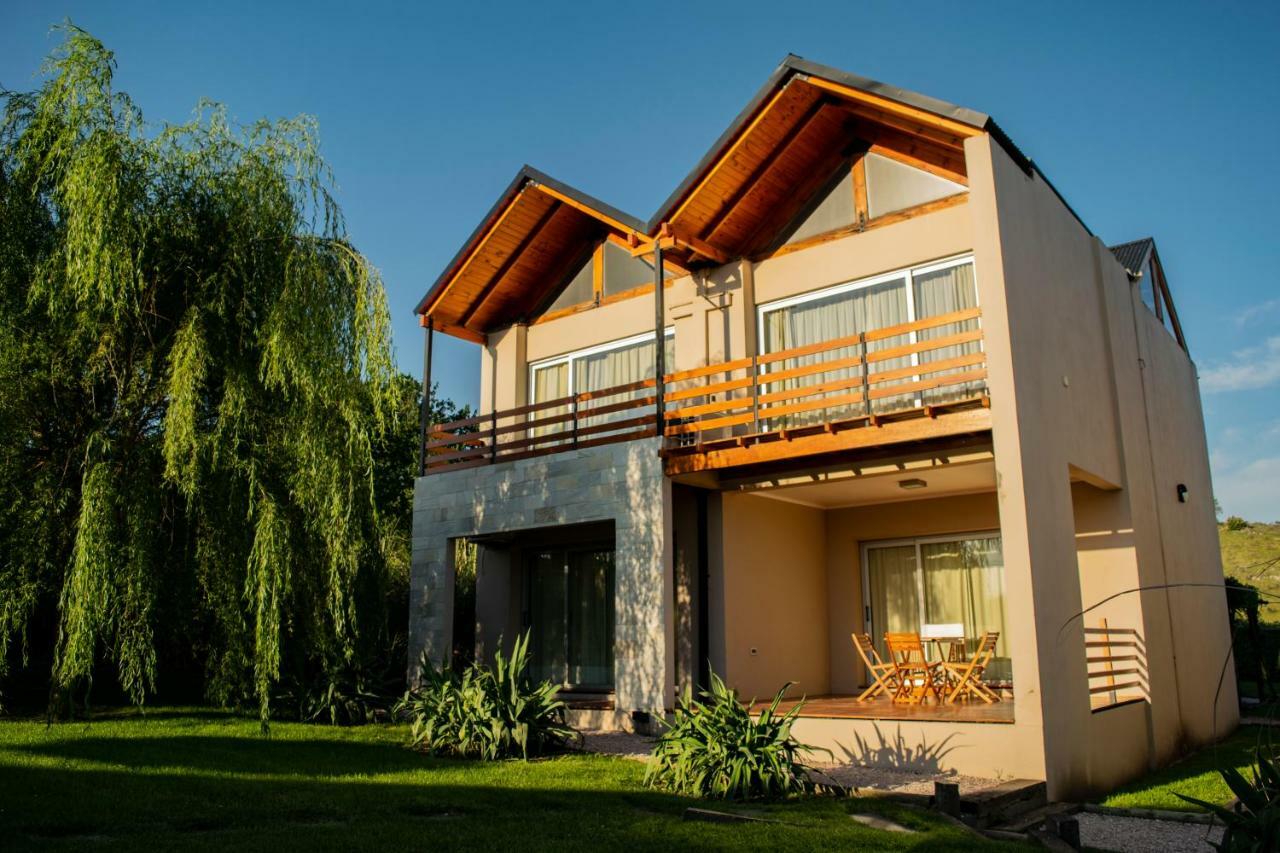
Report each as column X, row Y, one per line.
column 762, row 167
column 508, row 262
column 694, row 244
column 475, row 251
column 737, row 143
column 636, row 250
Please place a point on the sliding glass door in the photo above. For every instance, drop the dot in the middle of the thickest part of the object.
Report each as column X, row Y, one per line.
column 570, row 616
column 938, row 581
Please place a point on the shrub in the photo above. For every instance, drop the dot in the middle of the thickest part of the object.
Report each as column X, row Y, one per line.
column 1235, row 522
column 486, row 713
column 716, row 748
column 1254, row 824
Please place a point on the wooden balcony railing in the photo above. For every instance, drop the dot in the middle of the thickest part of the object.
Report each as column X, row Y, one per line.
column 858, row 377
column 911, row 367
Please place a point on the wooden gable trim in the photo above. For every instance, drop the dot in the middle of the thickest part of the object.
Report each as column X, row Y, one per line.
column 728, row 205
column 483, row 296
column 474, row 253
column 916, row 116
column 590, row 211
column 728, row 153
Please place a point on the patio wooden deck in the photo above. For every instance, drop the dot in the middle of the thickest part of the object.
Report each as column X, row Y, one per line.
column 849, row 708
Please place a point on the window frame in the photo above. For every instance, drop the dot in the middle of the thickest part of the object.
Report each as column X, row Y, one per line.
column 574, row 355
column 906, row 274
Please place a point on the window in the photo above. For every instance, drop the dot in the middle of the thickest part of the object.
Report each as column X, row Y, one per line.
column 894, row 186
column 606, row 366
column 569, row 613
column 608, row 270
column 577, row 289
column 832, row 208
column 938, row 580
column 623, row 272
column 862, row 306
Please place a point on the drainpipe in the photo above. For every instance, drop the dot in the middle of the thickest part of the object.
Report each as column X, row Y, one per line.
column 659, row 331
column 425, row 415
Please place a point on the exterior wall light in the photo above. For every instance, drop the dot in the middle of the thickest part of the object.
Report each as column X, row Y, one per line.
column 1182, row 493
column 914, row 483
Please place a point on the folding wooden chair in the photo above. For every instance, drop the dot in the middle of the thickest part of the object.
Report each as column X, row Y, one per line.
column 965, row 678
column 880, row 673
column 916, row 676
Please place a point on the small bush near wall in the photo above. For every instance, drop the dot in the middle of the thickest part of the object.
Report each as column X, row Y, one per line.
column 486, row 713
column 717, row 748
column 1235, row 522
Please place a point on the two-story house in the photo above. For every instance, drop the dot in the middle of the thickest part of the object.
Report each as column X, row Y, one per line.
column 865, row 371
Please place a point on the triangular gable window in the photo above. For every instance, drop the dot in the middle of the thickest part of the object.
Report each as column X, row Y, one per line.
column 893, row 186
column 832, row 208
column 579, row 288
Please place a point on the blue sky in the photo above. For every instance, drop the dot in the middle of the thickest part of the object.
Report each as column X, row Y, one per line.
column 1152, row 119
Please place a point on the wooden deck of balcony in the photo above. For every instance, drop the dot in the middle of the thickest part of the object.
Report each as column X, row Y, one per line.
column 836, row 707
column 862, row 391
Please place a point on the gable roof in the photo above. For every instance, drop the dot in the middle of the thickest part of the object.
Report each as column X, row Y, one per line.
column 1134, row 254
column 795, row 66
column 794, row 132
column 529, row 239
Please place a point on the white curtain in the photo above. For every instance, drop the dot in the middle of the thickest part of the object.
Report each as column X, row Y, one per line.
column 959, row 581
column 827, row 318
column 942, row 292
column 894, row 593
column 549, row 383
column 964, row 583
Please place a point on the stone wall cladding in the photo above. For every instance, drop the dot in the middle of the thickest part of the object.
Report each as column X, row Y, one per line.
column 621, row 482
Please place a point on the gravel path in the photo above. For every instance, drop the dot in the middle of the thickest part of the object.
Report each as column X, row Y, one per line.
column 1140, row 835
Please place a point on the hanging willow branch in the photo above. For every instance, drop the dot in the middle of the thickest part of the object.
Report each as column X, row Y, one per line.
column 191, row 352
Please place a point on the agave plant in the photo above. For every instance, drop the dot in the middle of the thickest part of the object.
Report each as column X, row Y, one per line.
column 486, row 713
column 1254, row 825
column 717, row 748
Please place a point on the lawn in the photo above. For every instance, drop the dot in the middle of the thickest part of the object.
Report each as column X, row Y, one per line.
column 195, row 779
column 1196, row 775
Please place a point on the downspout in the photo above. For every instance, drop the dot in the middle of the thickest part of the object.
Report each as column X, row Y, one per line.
column 425, row 414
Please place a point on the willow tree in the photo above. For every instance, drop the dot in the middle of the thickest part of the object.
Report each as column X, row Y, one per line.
column 194, row 370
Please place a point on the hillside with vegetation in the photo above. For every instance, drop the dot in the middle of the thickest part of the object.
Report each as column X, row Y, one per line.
column 1251, row 554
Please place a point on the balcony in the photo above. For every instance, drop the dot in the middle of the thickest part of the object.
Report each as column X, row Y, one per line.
column 893, row 385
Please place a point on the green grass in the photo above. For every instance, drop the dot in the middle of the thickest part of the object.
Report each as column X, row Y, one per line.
column 1195, row 776
column 194, row 779
column 1244, row 553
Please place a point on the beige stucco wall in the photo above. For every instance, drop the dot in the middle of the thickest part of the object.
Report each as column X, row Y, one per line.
column 771, row 582
column 1071, row 396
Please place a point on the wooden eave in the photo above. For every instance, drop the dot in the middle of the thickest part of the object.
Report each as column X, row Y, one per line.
column 790, row 146
column 524, row 248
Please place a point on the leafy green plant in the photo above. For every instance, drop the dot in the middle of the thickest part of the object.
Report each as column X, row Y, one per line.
column 716, row 748
column 486, row 712
column 1254, row 824
column 1235, row 522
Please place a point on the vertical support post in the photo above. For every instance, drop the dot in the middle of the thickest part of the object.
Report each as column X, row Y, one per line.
column 493, row 436
column 866, row 373
column 755, row 394
column 425, row 415
column 574, row 423
column 660, row 337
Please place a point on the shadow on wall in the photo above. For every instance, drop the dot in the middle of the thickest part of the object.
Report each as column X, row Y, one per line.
column 896, row 754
